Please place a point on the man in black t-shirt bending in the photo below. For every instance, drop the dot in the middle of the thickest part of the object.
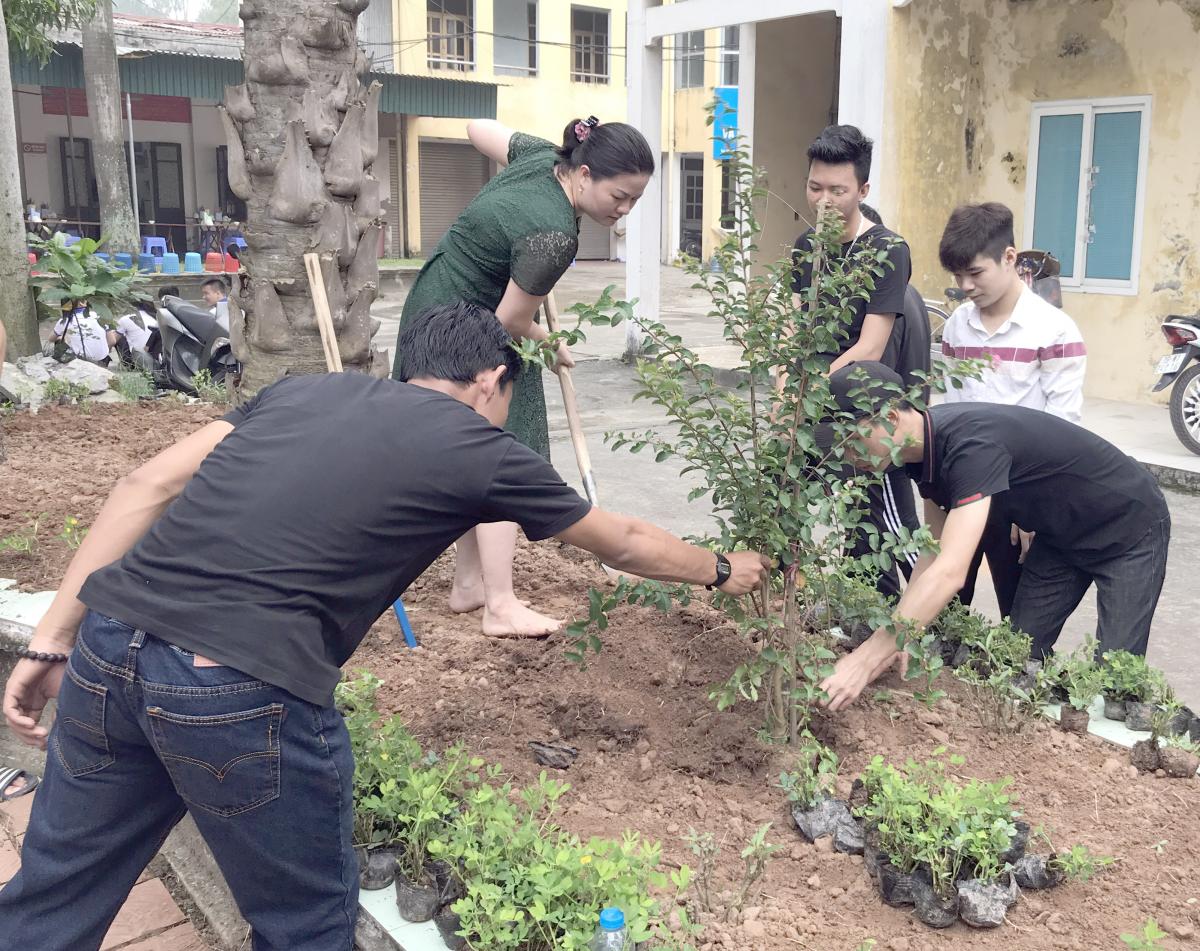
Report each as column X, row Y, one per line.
column 221, row 588
column 1097, row 517
column 839, row 168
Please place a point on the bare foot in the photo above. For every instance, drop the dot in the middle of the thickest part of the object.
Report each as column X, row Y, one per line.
column 464, row 600
column 515, row 619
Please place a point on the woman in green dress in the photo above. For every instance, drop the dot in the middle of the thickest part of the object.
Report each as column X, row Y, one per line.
column 506, row 252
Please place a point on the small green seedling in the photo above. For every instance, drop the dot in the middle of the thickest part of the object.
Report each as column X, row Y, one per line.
column 22, row 542
column 72, row 533
column 1149, row 938
column 814, row 775
column 1079, row 863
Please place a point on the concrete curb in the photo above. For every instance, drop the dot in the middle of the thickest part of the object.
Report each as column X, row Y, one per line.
column 1183, row 480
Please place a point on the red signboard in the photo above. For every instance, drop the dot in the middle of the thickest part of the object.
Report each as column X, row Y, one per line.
column 145, row 108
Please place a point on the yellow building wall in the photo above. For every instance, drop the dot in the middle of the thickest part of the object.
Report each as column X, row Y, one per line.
column 540, row 105
column 962, row 77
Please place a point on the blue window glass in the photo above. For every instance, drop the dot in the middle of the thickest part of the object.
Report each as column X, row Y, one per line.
column 1116, row 144
column 1056, row 201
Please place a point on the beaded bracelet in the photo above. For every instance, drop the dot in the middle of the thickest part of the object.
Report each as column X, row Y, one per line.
column 27, row 654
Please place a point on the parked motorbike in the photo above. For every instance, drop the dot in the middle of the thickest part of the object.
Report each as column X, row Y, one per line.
column 1183, row 334
column 1040, row 270
column 188, row 340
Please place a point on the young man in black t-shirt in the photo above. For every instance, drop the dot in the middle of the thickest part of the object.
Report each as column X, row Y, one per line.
column 838, row 173
column 221, row 588
column 1095, row 514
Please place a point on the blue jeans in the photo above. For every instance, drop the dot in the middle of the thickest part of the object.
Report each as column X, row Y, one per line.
column 142, row 736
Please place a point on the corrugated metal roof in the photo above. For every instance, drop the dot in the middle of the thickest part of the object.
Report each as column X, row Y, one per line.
column 204, row 78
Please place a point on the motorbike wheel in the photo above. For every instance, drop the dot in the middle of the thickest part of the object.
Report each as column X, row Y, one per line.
column 1185, row 408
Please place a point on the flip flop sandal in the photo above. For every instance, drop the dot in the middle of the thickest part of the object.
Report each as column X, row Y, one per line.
column 10, row 776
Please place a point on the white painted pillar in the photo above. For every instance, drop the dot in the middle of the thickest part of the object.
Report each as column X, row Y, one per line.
column 645, row 91
column 748, row 60
column 862, row 81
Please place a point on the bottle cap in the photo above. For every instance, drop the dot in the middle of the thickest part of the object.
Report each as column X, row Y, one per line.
column 612, row 919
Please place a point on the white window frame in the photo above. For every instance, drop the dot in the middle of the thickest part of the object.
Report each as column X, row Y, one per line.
column 729, row 55
column 581, row 52
column 686, row 57
column 441, row 43
column 1089, row 109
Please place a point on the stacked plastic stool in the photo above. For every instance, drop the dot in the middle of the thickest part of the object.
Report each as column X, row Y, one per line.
column 214, row 262
column 102, row 256
column 170, row 263
column 191, row 263
column 154, row 245
column 123, row 260
column 148, row 263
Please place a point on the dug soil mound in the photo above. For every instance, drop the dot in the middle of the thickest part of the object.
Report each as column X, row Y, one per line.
column 657, row 757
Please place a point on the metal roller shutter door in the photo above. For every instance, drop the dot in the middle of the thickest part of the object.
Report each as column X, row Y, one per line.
column 593, row 241
column 451, row 176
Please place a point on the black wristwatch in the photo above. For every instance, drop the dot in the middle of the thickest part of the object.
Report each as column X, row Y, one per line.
column 724, row 570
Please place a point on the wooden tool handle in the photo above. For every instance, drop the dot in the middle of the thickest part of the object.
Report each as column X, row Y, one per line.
column 316, row 284
column 574, row 423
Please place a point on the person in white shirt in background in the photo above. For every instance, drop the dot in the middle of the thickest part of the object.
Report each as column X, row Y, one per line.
column 216, row 297
column 1038, row 355
column 79, row 328
column 133, row 332
column 1038, row 358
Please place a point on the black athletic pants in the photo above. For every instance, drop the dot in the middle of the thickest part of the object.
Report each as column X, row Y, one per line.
column 892, row 506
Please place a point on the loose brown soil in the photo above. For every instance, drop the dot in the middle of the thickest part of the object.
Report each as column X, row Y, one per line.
column 656, row 756
column 64, row 461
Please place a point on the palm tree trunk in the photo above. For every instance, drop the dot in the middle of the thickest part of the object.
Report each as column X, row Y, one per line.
column 16, row 304
column 103, row 87
column 303, row 134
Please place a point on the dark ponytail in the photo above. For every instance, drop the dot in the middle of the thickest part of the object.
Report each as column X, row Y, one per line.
column 607, row 149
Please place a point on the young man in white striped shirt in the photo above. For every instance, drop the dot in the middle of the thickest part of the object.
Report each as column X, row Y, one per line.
column 1038, row 357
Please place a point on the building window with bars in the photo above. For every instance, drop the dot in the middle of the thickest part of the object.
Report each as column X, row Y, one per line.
column 689, row 60
column 451, row 26
column 515, row 46
column 589, row 42
column 730, row 49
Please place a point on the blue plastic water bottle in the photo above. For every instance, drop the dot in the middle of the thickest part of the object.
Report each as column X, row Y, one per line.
column 611, row 935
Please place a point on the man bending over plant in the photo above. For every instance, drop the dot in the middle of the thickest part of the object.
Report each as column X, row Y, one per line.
column 209, row 609
column 1098, row 514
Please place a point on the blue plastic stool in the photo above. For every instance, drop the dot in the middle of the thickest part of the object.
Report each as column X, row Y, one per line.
column 123, row 260
column 233, row 241
column 170, row 263
column 102, row 255
column 70, row 239
column 154, row 245
column 406, row 628
column 192, row 263
column 147, row 262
